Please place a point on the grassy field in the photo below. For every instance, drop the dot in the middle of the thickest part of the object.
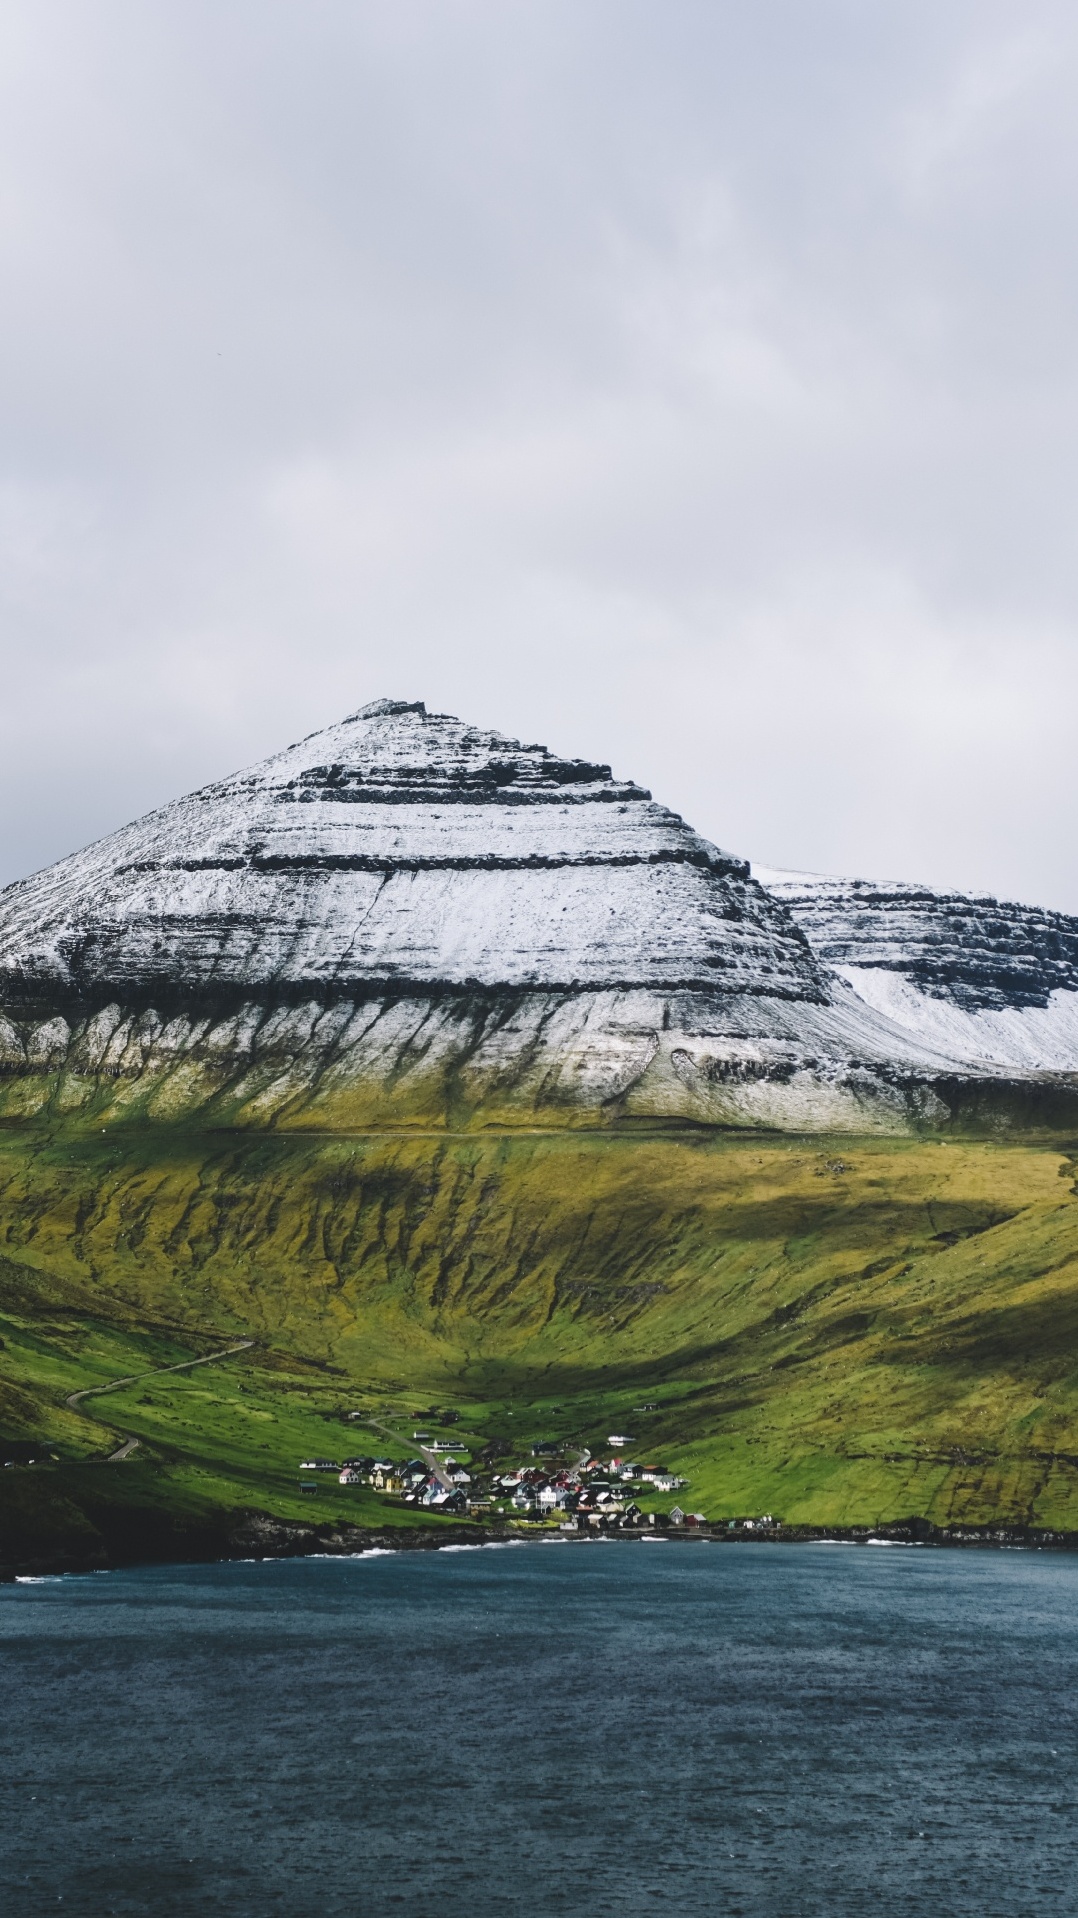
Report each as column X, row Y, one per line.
column 840, row 1332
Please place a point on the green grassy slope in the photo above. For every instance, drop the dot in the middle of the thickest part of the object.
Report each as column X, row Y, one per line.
column 839, row 1332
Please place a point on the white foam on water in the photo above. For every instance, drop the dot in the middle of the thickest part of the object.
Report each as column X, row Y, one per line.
column 488, row 1545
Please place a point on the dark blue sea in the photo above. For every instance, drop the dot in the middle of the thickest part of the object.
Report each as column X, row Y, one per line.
column 614, row 1728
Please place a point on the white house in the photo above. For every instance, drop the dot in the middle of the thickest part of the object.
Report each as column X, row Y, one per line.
column 553, row 1498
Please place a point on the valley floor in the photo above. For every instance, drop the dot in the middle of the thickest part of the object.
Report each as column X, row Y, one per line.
column 839, row 1332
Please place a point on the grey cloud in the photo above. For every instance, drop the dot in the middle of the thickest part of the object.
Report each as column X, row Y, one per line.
column 693, row 385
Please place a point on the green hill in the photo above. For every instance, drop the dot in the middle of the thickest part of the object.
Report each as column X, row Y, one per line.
column 840, row 1332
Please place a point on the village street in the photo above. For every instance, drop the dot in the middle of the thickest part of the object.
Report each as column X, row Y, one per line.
column 429, row 1458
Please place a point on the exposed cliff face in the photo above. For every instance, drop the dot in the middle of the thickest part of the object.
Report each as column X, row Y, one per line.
column 406, row 920
column 965, row 948
column 985, row 980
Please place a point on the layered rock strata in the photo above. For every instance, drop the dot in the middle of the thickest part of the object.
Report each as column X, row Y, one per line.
column 988, row 981
column 400, row 850
column 407, row 920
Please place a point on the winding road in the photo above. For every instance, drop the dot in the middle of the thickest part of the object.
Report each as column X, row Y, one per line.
column 135, row 1378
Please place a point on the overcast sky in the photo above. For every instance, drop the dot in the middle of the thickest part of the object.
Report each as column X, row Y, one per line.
column 687, row 383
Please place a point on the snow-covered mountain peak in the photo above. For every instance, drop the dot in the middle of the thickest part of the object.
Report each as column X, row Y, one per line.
column 407, row 917
column 382, row 708
column 404, row 849
column 396, row 747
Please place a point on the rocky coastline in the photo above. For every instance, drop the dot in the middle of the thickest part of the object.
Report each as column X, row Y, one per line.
column 256, row 1535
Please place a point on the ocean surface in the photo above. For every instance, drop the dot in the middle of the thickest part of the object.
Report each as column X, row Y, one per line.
column 546, row 1728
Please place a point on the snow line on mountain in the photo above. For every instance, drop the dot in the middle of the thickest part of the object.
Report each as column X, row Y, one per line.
column 577, row 1059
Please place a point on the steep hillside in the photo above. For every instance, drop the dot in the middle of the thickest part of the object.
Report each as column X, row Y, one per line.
column 839, row 1339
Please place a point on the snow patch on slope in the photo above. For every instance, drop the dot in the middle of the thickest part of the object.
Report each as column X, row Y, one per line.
column 991, row 983
column 1029, row 1039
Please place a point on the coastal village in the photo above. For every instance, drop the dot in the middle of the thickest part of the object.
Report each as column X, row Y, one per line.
column 582, row 1494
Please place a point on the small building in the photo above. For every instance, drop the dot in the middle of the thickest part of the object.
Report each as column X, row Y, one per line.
column 350, row 1476
column 437, row 1499
column 553, row 1498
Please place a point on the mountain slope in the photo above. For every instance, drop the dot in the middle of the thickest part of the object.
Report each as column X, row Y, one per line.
column 407, row 1055
column 834, row 1338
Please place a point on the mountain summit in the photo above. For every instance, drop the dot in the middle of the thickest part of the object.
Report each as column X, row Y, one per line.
column 405, row 919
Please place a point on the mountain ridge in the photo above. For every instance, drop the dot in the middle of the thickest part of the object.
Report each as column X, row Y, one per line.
column 990, row 981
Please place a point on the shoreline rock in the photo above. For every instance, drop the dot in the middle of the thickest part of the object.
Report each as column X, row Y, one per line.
column 260, row 1536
